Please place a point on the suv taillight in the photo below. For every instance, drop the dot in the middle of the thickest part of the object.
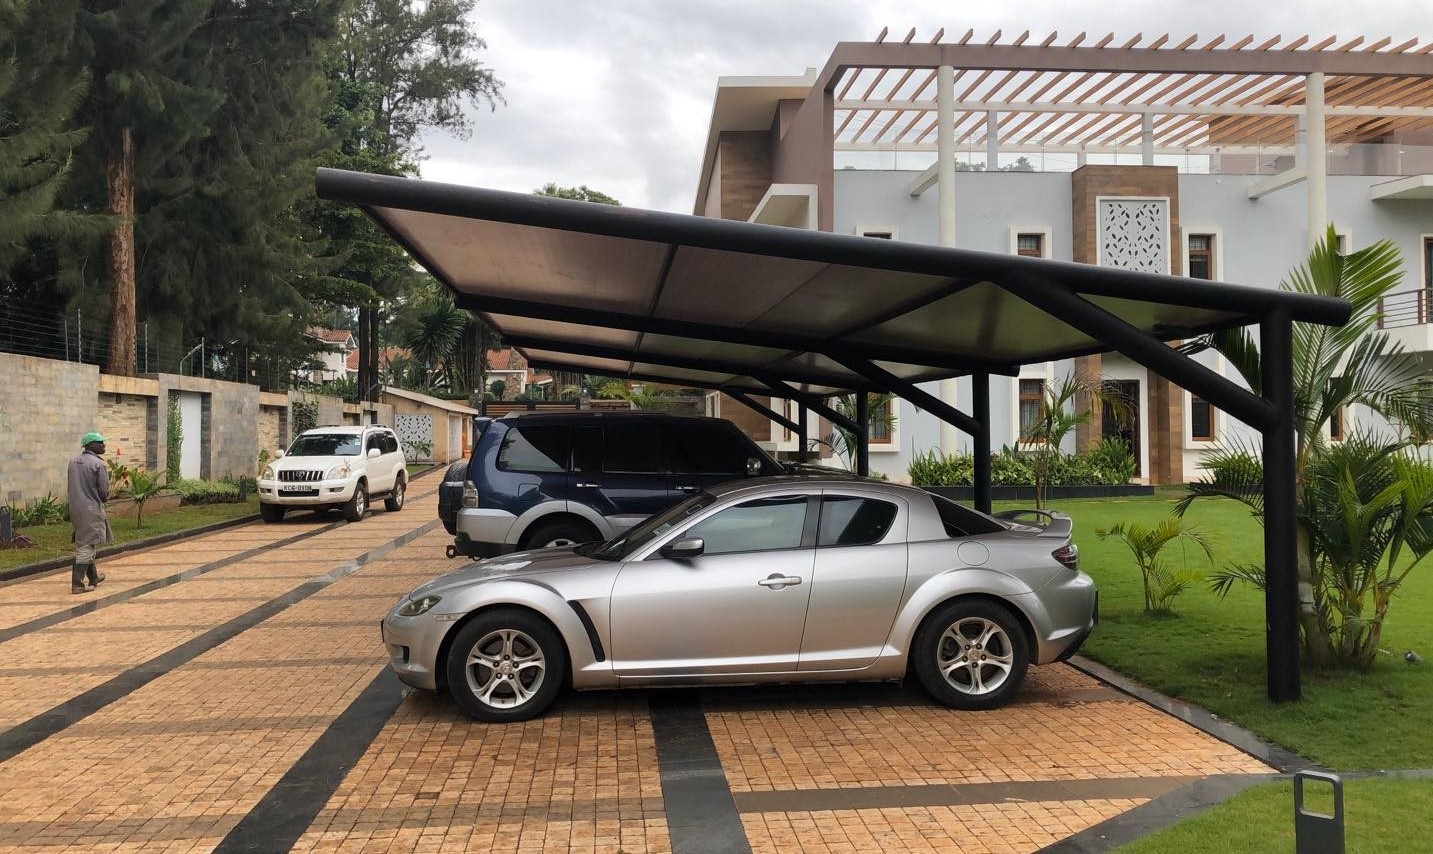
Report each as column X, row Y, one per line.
column 470, row 494
column 1069, row 555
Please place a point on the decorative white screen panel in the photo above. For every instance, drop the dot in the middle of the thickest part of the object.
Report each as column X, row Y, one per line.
column 1134, row 234
column 414, row 428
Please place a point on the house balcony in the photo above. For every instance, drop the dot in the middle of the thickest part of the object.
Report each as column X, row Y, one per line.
column 1407, row 318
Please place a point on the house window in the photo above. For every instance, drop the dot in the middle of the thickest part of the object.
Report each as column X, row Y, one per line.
column 1201, row 256
column 878, row 423
column 884, row 235
column 1030, row 245
column 1032, row 402
column 1340, row 244
column 1201, row 420
column 1336, row 425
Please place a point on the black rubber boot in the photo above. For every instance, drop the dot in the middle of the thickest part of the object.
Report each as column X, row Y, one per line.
column 79, row 581
column 93, row 575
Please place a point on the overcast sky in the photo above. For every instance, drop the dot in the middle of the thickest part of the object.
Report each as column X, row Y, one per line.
column 617, row 94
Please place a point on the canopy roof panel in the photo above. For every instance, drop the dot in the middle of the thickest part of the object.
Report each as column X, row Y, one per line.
column 707, row 302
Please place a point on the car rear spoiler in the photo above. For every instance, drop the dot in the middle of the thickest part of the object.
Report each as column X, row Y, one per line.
column 1052, row 523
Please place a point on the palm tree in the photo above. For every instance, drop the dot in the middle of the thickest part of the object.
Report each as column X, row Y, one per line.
column 1060, row 413
column 1334, row 369
column 639, row 397
column 1161, row 581
column 879, row 413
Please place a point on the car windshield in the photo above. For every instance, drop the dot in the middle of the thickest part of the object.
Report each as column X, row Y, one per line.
column 326, row 445
column 619, row 547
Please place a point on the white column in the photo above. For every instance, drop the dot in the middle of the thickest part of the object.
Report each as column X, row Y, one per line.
column 992, row 141
column 1146, row 140
column 945, row 178
column 1315, row 159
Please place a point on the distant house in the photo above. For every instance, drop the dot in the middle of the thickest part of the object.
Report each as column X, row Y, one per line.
column 519, row 380
column 333, row 363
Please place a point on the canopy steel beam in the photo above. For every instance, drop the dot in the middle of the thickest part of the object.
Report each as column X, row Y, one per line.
column 1281, row 589
column 742, row 397
column 791, row 343
column 715, row 366
column 887, row 381
column 811, row 402
column 558, row 365
column 1146, row 350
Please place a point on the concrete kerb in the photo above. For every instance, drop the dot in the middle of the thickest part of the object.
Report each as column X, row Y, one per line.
column 59, row 563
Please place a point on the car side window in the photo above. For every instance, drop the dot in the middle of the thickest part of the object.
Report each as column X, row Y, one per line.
column 707, row 449
column 387, row 443
column 631, row 448
column 850, row 521
column 763, row 524
column 373, row 442
column 534, row 449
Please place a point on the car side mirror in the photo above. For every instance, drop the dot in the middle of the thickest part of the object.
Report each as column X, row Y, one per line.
column 685, row 549
column 753, row 466
column 279, row 453
column 373, row 453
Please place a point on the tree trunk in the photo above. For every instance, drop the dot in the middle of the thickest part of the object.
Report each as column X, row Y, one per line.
column 374, row 378
column 119, row 253
column 1317, row 642
column 362, row 380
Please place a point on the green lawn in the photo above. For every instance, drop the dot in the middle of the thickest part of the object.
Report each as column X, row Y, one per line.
column 54, row 540
column 1212, row 654
column 1380, row 817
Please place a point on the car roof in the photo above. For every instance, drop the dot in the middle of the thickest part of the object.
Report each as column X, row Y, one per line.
column 813, row 481
column 620, row 414
column 354, row 429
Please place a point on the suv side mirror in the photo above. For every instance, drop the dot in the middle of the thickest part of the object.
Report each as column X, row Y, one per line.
column 279, row 453
column 753, row 466
column 684, row 549
column 373, row 453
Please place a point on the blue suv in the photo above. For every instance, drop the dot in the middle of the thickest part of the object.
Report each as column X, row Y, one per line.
column 540, row 479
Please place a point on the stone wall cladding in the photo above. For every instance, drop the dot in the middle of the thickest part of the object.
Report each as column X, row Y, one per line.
column 745, row 171
column 748, row 420
column 271, row 428
column 124, row 420
column 46, row 406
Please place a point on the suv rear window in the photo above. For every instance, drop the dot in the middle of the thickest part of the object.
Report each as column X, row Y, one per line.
column 534, row 449
column 708, row 449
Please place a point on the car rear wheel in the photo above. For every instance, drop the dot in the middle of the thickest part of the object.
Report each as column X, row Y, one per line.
column 546, row 535
column 357, row 505
column 506, row 665
column 394, row 502
column 272, row 512
column 971, row 654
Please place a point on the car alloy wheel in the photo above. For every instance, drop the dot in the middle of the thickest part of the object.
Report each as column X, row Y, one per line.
column 975, row 657
column 971, row 654
column 507, row 664
column 394, row 501
column 357, row 505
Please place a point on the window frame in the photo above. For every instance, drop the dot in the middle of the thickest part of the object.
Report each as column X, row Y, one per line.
column 1020, row 400
column 1045, row 233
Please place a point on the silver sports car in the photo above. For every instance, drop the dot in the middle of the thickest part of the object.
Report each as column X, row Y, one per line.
column 779, row 579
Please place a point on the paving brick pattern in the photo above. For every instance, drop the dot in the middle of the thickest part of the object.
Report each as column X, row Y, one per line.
column 175, row 761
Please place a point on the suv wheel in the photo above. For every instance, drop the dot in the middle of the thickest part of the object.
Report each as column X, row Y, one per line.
column 559, row 532
column 357, row 505
column 272, row 512
column 506, row 665
column 394, row 502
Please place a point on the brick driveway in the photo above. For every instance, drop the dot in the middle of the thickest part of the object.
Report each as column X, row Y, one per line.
column 229, row 693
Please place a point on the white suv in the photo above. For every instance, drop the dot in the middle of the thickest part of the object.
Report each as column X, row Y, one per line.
column 335, row 467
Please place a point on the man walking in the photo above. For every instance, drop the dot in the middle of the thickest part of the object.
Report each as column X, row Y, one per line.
column 89, row 490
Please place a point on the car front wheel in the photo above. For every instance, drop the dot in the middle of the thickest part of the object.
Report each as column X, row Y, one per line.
column 394, row 502
column 357, row 505
column 506, row 665
column 971, row 654
column 272, row 512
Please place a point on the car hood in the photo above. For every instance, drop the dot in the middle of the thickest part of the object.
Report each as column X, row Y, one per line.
column 516, row 565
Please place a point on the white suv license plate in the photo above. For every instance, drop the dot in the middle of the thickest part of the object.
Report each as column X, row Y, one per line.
column 301, row 490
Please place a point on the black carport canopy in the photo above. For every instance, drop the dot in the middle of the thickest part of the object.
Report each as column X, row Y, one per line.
column 723, row 304
column 803, row 314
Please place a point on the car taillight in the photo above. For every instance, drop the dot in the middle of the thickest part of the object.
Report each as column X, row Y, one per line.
column 1068, row 554
column 470, row 494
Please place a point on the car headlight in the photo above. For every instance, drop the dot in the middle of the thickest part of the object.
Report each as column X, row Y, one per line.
column 421, row 605
column 337, row 471
column 267, row 473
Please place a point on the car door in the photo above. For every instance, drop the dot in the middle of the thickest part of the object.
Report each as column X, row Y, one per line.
column 737, row 608
column 392, row 454
column 703, row 455
column 617, row 471
column 858, row 578
column 380, row 475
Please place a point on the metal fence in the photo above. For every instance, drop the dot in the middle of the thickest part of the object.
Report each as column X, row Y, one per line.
column 75, row 337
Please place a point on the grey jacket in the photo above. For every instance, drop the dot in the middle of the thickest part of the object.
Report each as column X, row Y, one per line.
column 89, row 490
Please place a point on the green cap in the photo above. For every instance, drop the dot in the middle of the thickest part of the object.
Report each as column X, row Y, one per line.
column 91, row 436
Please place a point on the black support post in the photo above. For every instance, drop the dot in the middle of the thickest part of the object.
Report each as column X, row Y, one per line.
column 980, row 406
column 801, row 432
column 863, row 435
column 1281, row 592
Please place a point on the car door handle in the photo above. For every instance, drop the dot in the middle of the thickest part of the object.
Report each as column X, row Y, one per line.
column 687, row 489
column 590, row 485
column 777, row 581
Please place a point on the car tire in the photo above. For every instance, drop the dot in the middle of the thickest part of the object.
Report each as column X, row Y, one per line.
column 506, row 665
column 356, row 506
column 272, row 512
column 971, row 654
column 394, row 502
column 559, row 532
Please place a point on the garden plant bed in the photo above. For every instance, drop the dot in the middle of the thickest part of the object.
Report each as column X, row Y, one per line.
column 1052, row 493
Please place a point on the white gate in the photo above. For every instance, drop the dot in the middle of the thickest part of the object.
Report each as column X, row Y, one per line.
column 191, row 416
column 455, row 437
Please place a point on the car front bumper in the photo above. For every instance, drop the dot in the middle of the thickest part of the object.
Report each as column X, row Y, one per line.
column 412, row 644
column 327, row 492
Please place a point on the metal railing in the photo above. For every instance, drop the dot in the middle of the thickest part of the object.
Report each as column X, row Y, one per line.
column 1405, row 308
